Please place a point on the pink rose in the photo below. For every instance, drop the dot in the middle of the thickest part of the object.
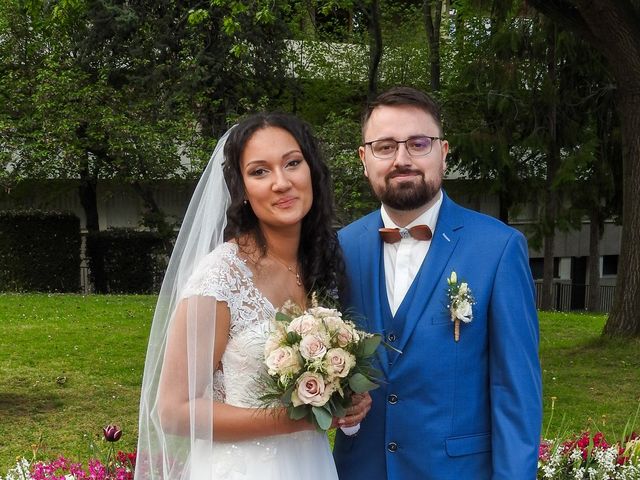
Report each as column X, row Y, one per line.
column 311, row 390
column 312, row 347
column 338, row 362
column 345, row 335
column 303, row 325
column 283, row 361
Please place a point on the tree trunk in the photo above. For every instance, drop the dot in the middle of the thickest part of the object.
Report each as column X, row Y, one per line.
column 624, row 320
column 89, row 201
column 153, row 216
column 595, row 219
column 553, row 160
column 612, row 27
column 506, row 203
column 433, row 18
column 375, row 48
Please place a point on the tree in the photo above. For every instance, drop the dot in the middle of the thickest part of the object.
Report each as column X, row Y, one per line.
column 613, row 27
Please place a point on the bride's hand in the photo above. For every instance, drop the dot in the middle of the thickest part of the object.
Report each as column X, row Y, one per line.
column 356, row 412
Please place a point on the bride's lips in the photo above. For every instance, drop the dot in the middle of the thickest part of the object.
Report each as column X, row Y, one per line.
column 285, row 202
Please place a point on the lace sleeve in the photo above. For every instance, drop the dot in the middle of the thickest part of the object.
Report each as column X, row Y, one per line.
column 223, row 275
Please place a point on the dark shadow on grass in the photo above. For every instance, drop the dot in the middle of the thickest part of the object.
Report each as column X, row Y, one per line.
column 20, row 404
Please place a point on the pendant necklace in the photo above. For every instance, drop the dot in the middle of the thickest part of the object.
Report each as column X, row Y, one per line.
column 294, row 271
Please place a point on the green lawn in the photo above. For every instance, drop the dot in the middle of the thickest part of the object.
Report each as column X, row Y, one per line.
column 70, row 364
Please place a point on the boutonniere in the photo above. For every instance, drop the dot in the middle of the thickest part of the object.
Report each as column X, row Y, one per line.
column 460, row 303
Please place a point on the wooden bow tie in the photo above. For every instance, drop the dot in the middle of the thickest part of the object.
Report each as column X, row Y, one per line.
column 393, row 235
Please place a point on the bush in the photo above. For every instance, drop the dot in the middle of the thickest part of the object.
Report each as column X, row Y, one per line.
column 39, row 251
column 123, row 260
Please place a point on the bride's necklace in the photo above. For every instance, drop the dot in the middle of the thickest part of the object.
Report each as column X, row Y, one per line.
column 292, row 270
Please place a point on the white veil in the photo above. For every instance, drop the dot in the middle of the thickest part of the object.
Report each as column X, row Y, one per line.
column 167, row 438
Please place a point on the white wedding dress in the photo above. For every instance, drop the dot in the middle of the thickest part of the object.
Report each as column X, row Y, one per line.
column 303, row 455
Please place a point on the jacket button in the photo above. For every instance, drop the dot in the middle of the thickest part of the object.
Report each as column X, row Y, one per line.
column 392, row 446
column 391, row 337
column 393, row 399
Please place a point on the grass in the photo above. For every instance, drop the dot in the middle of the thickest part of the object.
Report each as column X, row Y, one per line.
column 592, row 382
column 71, row 364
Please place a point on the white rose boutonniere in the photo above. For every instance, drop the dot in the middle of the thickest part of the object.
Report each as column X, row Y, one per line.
column 460, row 303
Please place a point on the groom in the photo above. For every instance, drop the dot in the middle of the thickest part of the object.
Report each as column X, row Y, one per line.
column 465, row 406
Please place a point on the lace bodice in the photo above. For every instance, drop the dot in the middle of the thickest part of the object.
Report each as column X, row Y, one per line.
column 225, row 276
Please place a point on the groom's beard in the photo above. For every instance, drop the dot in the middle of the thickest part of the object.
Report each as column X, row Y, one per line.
column 407, row 195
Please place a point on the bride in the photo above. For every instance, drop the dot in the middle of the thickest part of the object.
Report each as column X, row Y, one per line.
column 258, row 232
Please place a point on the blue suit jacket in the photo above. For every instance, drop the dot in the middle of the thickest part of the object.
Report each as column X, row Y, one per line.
column 449, row 410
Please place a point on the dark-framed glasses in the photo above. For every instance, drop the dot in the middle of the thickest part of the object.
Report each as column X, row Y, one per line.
column 416, row 146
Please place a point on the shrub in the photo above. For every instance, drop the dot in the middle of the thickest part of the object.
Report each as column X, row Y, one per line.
column 39, row 251
column 123, row 260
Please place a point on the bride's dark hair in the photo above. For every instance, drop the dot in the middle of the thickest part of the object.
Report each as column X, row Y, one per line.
column 319, row 254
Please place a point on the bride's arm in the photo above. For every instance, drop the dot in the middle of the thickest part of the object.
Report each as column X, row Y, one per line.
column 195, row 323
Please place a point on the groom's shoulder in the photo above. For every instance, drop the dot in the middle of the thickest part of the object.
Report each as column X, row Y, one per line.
column 478, row 221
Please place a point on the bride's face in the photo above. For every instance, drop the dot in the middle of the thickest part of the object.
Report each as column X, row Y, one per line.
column 276, row 177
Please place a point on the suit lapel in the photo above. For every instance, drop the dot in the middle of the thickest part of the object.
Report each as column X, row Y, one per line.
column 371, row 279
column 428, row 283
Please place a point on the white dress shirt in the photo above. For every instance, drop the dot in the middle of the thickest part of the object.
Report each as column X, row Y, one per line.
column 403, row 259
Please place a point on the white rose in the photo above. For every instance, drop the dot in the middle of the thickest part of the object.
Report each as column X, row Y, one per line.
column 338, row 362
column 303, row 325
column 311, row 390
column 464, row 288
column 283, row 361
column 312, row 347
column 462, row 311
column 453, row 278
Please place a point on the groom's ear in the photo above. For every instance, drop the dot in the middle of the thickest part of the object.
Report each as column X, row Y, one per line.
column 361, row 152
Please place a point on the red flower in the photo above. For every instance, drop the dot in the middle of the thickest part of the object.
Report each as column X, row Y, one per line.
column 112, row 433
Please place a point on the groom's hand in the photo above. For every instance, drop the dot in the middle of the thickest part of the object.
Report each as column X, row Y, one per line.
column 361, row 404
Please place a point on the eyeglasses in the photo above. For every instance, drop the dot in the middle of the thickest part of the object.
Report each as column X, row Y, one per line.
column 416, row 146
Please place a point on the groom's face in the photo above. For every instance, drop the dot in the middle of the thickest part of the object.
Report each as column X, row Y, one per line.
column 404, row 182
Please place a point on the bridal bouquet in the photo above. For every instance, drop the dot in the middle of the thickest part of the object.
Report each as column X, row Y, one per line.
column 315, row 361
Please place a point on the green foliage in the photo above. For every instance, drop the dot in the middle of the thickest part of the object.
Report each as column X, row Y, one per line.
column 39, row 251
column 340, row 135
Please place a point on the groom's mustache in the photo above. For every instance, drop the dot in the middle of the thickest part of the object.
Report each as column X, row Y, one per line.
column 402, row 171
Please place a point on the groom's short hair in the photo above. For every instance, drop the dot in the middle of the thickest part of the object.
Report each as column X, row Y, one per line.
column 403, row 96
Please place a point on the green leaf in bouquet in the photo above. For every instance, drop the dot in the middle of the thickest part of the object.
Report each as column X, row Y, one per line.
column 286, row 396
column 282, row 317
column 360, row 384
column 298, row 413
column 337, row 407
column 370, row 345
column 292, row 338
column 370, row 372
column 323, row 417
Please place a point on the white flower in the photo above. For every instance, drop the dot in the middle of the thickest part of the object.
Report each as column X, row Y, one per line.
column 462, row 311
